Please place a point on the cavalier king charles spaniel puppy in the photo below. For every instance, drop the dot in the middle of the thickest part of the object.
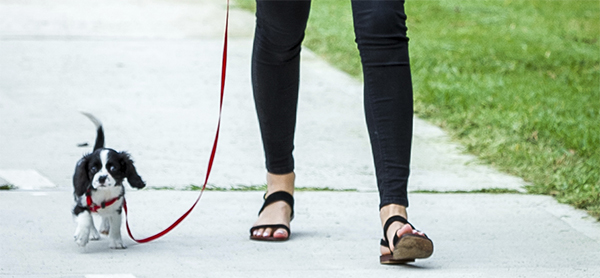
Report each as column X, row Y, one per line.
column 98, row 188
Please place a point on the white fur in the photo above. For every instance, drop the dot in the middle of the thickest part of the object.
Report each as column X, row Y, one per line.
column 111, row 215
column 111, row 218
column 94, row 120
column 84, row 225
column 110, row 225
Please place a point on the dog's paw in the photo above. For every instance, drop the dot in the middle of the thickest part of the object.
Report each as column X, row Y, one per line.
column 94, row 235
column 82, row 237
column 116, row 244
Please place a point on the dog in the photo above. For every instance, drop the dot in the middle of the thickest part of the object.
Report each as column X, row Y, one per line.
column 98, row 188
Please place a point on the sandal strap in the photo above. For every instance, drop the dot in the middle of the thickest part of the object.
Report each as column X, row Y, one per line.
column 279, row 196
column 384, row 243
column 395, row 218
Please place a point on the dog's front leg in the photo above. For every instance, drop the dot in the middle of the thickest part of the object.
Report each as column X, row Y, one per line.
column 114, row 234
column 94, row 235
column 105, row 225
column 84, row 225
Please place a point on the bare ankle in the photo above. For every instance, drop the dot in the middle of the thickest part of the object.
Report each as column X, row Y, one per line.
column 284, row 182
column 391, row 210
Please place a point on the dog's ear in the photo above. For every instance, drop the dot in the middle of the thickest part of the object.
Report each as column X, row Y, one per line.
column 81, row 181
column 132, row 176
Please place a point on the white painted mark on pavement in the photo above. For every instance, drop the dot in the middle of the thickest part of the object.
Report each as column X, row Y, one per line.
column 27, row 179
column 109, row 276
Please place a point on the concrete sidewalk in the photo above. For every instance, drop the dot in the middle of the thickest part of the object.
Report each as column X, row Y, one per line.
column 334, row 234
column 150, row 71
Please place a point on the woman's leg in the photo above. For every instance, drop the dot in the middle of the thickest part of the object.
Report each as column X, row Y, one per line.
column 279, row 33
column 380, row 28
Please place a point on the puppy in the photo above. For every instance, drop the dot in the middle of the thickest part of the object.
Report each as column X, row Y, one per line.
column 98, row 188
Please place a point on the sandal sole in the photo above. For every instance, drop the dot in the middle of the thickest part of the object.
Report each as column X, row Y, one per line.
column 389, row 259
column 411, row 247
column 259, row 238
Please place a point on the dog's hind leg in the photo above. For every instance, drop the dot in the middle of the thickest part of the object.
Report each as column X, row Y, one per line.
column 84, row 225
column 114, row 235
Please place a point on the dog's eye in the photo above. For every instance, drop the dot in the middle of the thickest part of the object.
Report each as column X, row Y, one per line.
column 112, row 168
column 94, row 169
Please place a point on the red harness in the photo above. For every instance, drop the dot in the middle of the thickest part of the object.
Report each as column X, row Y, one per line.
column 94, row 208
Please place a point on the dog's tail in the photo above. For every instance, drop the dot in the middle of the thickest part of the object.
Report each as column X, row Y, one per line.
column 100, row 132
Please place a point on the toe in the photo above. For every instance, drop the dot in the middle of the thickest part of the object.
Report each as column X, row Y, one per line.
column 267, row 232
column 258, row 232
column 406, row 229
column 280, row 233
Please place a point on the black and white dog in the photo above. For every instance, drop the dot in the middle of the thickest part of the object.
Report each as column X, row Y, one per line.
column 98, row 188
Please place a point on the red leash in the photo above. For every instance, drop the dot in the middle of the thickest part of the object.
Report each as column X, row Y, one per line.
column 212, row 154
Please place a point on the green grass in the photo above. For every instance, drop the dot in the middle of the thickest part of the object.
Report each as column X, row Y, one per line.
column 7, row 187
column 516, row 82
column 262, row 187
column 481, row 191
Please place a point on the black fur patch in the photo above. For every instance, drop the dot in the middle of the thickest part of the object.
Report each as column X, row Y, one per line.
column 79, row 209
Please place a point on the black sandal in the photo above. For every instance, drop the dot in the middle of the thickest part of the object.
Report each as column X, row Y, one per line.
column 274, row 197
column 407, row 247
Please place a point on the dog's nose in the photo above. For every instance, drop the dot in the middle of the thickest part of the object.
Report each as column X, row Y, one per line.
column 102, row 179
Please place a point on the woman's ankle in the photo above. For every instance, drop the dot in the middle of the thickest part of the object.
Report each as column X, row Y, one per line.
column 283, row 182
column 385, row 213
column 390, row 210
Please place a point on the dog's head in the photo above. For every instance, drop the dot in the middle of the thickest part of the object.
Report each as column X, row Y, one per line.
column 105, row 168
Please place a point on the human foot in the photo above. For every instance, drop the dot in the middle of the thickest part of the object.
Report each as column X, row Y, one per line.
column 399, row 230
column 274, row 218
column 407, row 243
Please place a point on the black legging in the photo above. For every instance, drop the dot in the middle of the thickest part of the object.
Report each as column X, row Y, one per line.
column 380, row 31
